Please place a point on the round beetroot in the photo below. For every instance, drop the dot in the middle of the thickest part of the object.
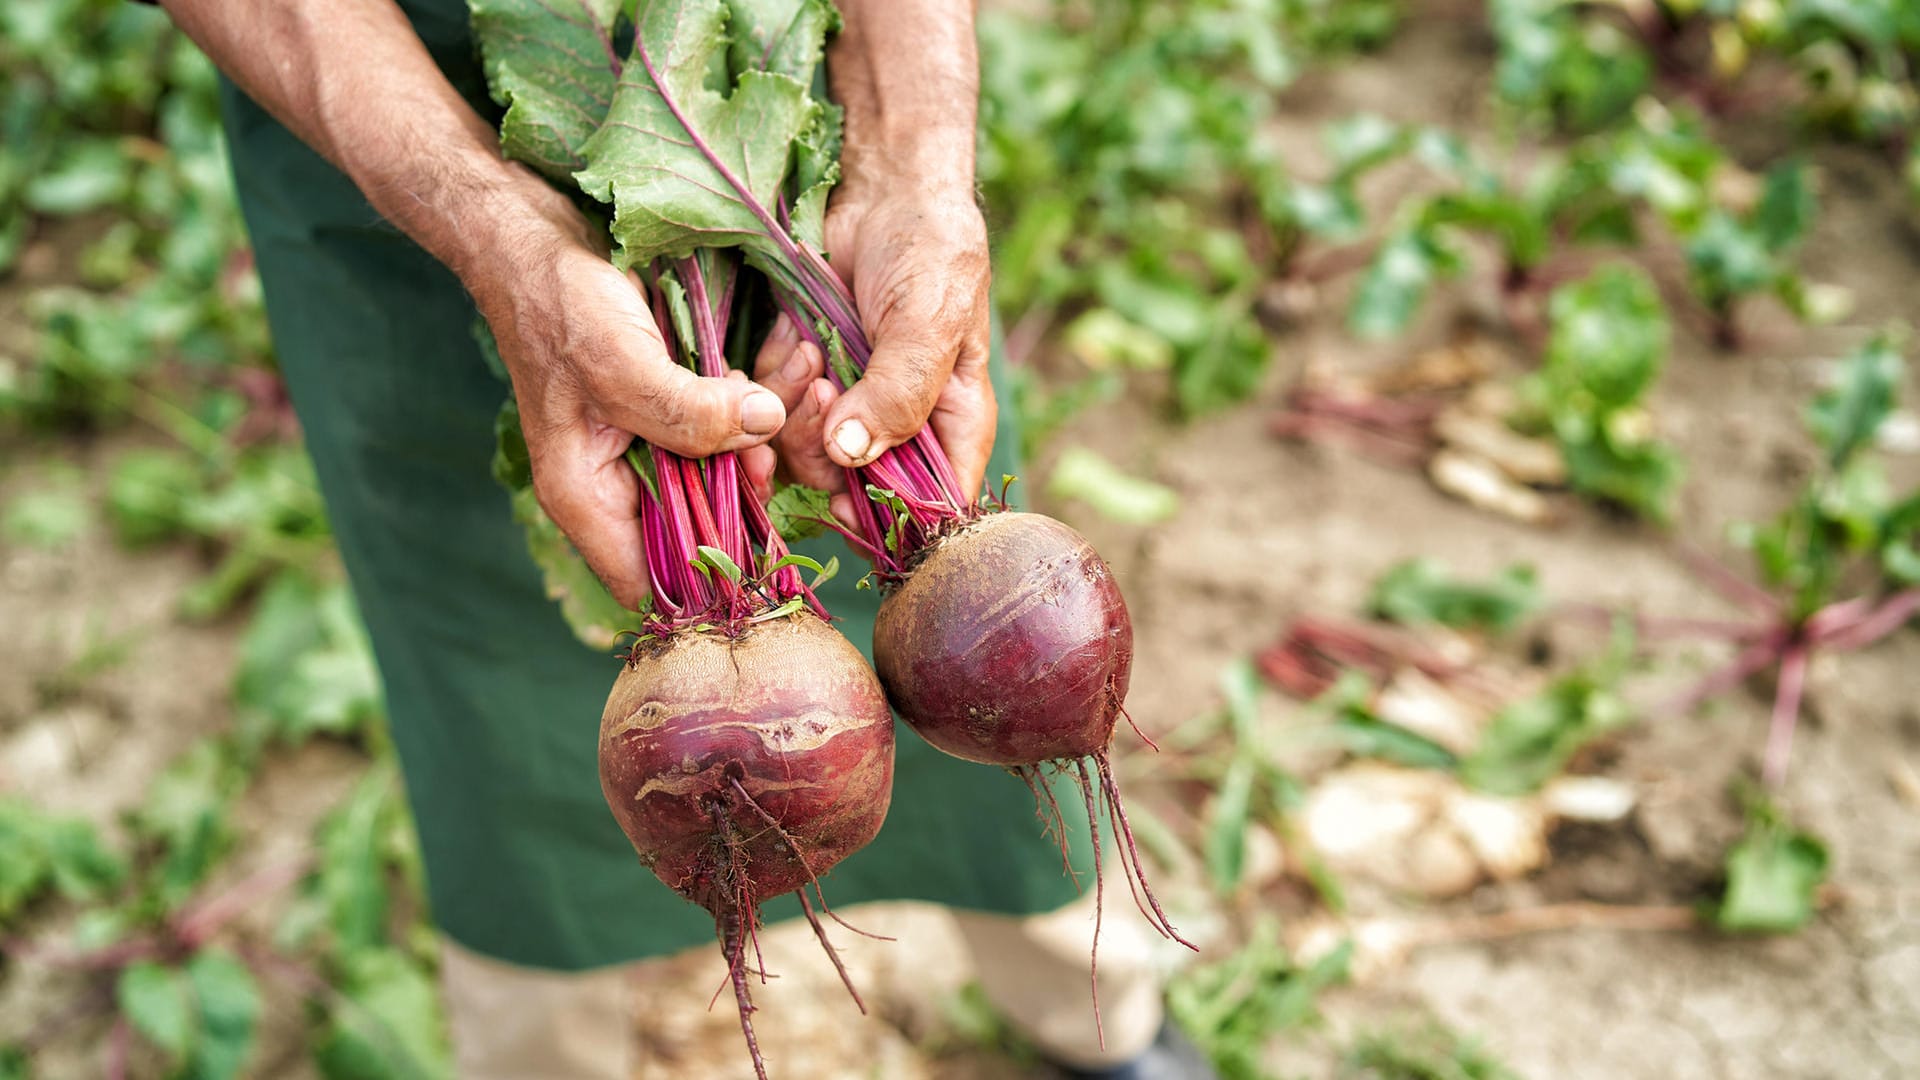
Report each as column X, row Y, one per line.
column 745, row 767
column 1007, row 642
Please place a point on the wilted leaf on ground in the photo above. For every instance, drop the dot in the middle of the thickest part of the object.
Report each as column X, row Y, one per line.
column 1231, row 1009
column 1774, row 875
column 1121, row 496
column 1422, row 591
column 1531, row 740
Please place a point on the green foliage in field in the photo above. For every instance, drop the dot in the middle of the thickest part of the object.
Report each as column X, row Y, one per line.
column 1123, row 158
column 115, row 208
column 41, row 852
column 1847, row 526
column 1774, row 874
column 1427, row 1052
column 1233, row 1007
column 1421, row 591
column 1604, row 353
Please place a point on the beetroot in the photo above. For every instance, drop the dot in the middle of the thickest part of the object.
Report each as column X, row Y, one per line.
column 742, row 768
column 1003, row 638
column 1009, row 643
column 746, row 748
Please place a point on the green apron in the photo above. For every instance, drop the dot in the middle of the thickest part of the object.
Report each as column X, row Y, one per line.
column 494, row 706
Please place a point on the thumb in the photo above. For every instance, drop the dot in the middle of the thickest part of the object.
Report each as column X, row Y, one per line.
column 675, row 409
column 890, row 403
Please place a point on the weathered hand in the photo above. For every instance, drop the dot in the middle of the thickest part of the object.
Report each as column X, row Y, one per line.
column 917, row 265
column 591, row 372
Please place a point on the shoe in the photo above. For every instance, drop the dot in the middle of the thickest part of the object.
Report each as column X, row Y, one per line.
column 1171, row 1057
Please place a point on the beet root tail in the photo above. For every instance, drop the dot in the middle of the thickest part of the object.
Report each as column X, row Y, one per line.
column 1130, row 851
column 734, row 942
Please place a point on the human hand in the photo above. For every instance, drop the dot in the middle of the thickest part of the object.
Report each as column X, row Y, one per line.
column 916, row 261
column 591, row 373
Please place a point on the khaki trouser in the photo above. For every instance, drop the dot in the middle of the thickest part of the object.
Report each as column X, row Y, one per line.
column 515, row 1023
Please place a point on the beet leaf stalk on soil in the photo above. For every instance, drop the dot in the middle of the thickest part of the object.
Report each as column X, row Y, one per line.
column 1844, row 534
column 1003, row 638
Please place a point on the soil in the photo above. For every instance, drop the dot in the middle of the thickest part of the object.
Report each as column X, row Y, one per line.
column 1266, row 530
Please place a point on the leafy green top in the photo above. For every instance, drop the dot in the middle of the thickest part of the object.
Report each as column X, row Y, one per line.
column 700, row 139
column 554, row 64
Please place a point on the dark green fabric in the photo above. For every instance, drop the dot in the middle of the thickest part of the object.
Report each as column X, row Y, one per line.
column 495, row 707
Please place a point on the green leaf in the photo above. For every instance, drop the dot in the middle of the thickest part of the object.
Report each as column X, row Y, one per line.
column 1104, row 339
column 1397, row 282
column 1332, row 211
column 1846, row 416
column 1609, row 336
column 386, row 1024
column 555, row 69
column 229, row 1008
column 81, row 865
column 1226, row 845
column 1365, row 735
column 1362, row 141
column 148, row 492
column 786, row 36
column 159, row 1003
column 592, row 613
column 1729, row 260
column 1642, row 478
column 1774, row 875
column 39, row 851
column 595, row 617
column 187, row 813
column 350, row 876
column 1787, row 206
column 1422, row 591
column 306, row 664
column 1084, row 475
column 719, row 561
column 1232, row 1008
column 688, row 164
column 1531, row 741
column 50, row 517
column 798, row 511
column 91, row 172
column 512, row 462
column 793, row 559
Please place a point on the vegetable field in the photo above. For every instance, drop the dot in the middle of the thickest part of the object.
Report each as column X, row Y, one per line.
column 1498, row 416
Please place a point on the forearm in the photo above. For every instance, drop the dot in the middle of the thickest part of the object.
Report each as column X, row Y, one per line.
column 353, row 81
column 908, row 73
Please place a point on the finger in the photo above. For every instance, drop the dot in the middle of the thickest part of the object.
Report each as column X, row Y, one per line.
column 642, row 391
column 787, row 364
column 801, row 441
column 966, row 420
column 756, row 464
column 891, row 401
column 842, row 507
column 595, row 500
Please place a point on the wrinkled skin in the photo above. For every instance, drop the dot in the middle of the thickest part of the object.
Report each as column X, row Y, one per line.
column 791, row 712
column 1009, row 644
